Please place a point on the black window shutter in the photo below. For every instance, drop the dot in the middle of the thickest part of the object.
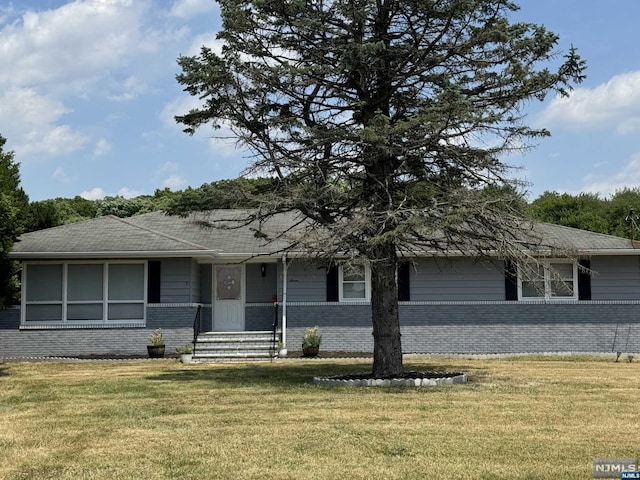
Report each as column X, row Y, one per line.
column 510, row 281
column 332, row 283
column 153, row 281
column 584, row 281
column 404, row 285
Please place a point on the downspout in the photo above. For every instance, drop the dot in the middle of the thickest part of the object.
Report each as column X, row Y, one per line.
column 284, row 300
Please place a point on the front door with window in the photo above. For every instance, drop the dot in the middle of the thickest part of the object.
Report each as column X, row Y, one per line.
column 228, row 309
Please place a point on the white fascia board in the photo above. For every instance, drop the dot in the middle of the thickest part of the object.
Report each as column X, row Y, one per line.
column 611, row 252
column 248, row 257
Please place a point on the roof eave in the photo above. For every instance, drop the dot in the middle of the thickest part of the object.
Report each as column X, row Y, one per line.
column 112, row 254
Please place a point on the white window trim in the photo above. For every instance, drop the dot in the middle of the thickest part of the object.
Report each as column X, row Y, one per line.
column 367, row 286
column 65, row 302
column 548, row 277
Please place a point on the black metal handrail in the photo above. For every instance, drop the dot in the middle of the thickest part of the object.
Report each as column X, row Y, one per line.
column 196, row 327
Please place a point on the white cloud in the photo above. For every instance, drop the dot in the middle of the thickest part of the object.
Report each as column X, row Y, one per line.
column 81, row 50
column 127, row 193
column 61, row 140
column 73, row 44
column 97, row 193
column 628, row 177
column 32, row 124
column 102, row 148
column 174, row 182
column 612, row 105
column 26, row 106
column 191, row 8
column 93, row 194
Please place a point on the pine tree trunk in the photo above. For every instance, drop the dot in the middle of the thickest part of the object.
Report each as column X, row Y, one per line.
column 387, row 350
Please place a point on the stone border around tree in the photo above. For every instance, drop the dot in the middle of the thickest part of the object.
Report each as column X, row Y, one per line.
column 425, row 380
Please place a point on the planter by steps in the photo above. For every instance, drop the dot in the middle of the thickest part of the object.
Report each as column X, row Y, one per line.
column 310, row 351
column 155, row 351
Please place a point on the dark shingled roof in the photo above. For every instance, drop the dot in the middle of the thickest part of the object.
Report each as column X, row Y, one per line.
column 157, row 234
column 151, row 234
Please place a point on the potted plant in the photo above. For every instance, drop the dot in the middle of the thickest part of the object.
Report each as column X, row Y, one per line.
column 155, row 349
column 186, row 353
column 311, row 342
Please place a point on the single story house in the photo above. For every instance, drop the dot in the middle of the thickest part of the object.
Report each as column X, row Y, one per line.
column 100, row 287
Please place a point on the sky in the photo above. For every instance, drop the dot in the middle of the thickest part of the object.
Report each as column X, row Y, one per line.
column 88, row 95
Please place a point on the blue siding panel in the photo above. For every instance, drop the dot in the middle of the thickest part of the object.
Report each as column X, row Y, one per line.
column 175, row 283
column 615, row 278
column 306, row 282
column 456, row 279
column 261, row 289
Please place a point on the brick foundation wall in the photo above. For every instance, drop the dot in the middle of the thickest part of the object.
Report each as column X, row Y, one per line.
column 476, row 327
column 453, row 327
column 176, row 323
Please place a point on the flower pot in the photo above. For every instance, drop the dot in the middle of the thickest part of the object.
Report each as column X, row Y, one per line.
column 155, row 351
column 282, row 353
column 186, row 358
column 310, row 351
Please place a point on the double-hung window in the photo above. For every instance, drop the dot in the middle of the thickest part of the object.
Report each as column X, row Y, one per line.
column 548, row 280
column 354, row 282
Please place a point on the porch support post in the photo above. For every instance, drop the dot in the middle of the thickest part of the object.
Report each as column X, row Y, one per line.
column 284, row 300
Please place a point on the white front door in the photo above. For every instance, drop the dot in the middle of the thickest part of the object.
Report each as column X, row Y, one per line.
column 228, row 309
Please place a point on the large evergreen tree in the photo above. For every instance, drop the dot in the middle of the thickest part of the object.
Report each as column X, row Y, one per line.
column 383, row 121
column 13, row 205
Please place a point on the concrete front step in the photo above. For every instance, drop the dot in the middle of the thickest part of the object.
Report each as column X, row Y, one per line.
column 234, row 346
column 233, row 355
column 207, row 340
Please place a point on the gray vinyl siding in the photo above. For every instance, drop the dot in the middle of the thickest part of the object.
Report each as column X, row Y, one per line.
column 306, row 282
column 455, row 279
column 261, row 289
column 615, row 278
column 176, row 279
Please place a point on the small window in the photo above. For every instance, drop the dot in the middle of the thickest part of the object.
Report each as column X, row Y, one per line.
column 354, row 282
column 548, row 280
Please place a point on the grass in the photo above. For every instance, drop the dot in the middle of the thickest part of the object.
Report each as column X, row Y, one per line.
column 522, row 418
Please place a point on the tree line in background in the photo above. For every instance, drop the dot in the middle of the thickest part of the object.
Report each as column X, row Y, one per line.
column 586, row 211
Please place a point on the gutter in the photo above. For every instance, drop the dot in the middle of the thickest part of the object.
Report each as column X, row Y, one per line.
column 111, row 254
